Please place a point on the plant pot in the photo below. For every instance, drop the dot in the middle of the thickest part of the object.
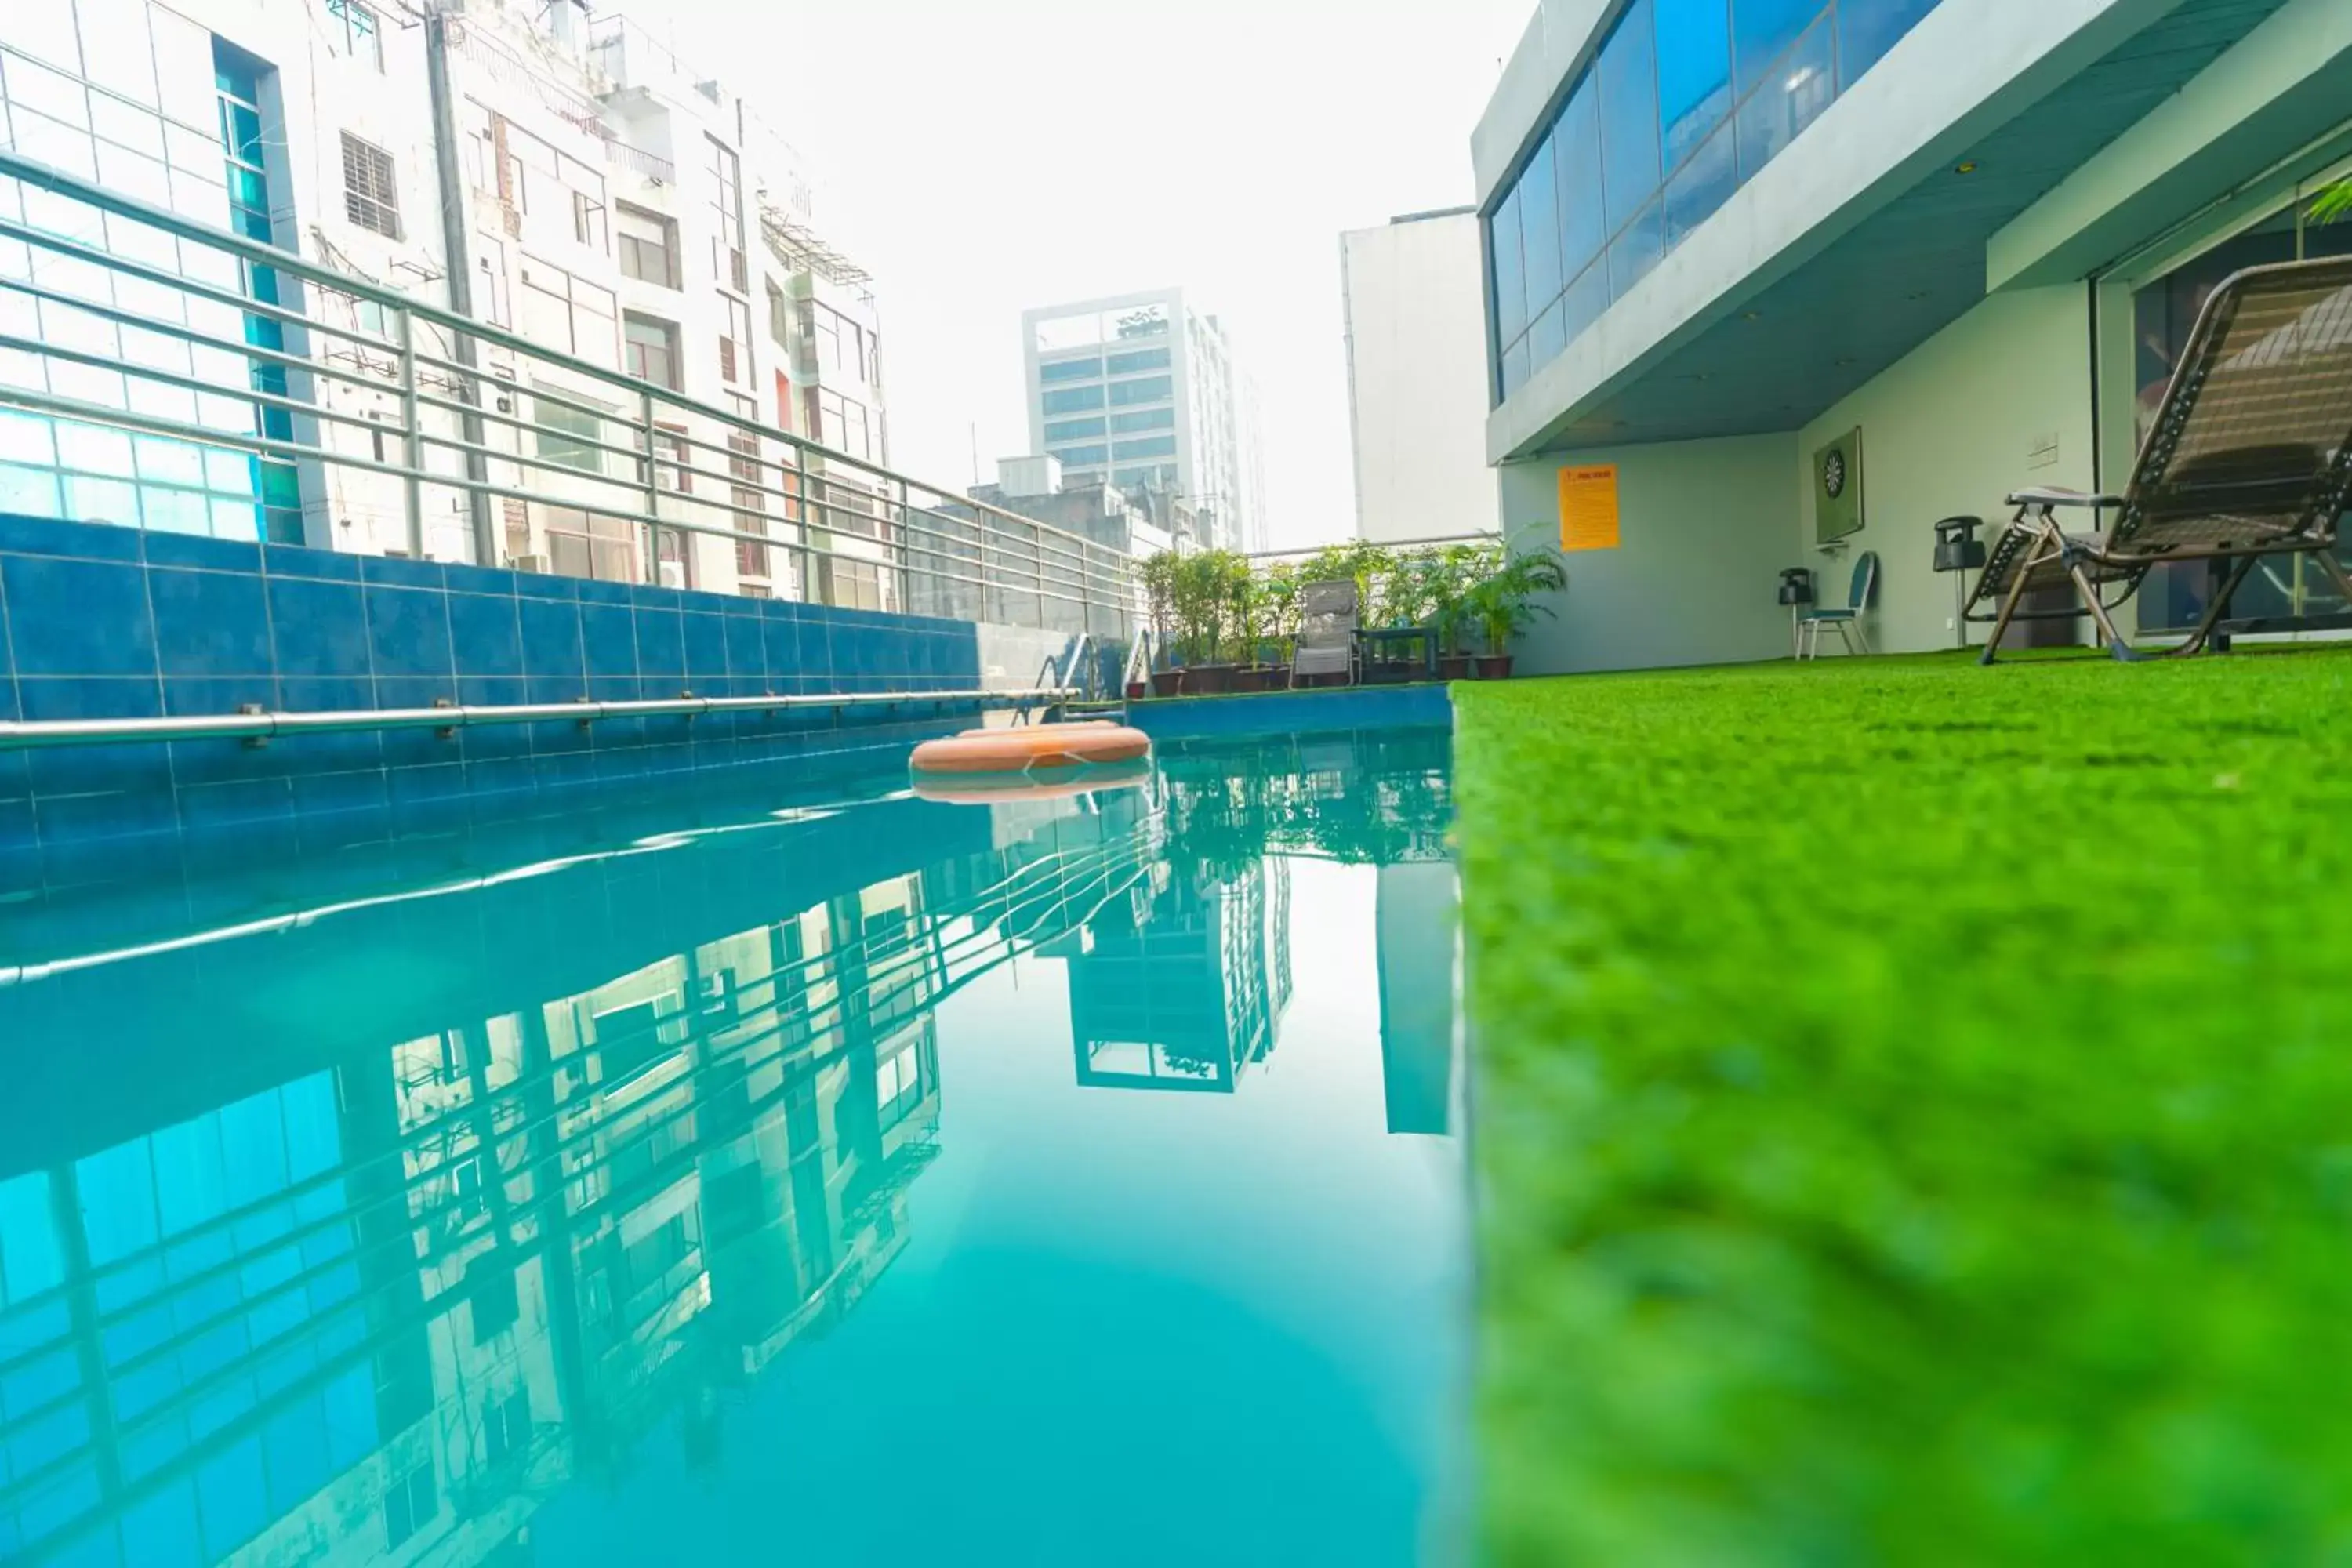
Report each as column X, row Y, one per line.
column 1209, row 679
column 1494, row 666
column 1251, row 678
column 1167, row 682
column 1136, row 689
column 1277, row 677
column 1454, row 667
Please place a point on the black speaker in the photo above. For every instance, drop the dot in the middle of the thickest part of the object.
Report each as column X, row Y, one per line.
column 1957, row 548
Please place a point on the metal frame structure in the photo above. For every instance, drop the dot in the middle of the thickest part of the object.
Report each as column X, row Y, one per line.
column 458, row 384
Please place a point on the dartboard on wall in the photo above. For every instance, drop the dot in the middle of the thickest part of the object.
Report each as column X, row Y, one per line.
column 1837, row 487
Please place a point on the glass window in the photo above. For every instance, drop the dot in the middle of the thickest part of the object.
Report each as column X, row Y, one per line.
column 567, row 436
column 1694, row 73
column 1075, row 430
column 1151, row 447
column 1545, row 338
column 1868, row 28
column 1515, row 367
column 1141, row 359
column 1070, row 369
column 1073, row 399
column 648, row 245
column 1540, row 229
column 1761, row 30
column 1799, row 87
column 1510, row 281
column 1629, row 115
column 1576, row 150
column 1703, row 183
column 649, row 349
column 1151, row 389
column 1636, row 251
column 1149, row 419
column 362, row 40
column 1581, row 302
column 1083, row 454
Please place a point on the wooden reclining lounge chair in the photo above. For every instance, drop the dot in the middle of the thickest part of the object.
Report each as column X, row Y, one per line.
column 2250, row 455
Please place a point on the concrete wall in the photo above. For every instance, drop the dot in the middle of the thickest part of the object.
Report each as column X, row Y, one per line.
column 1959, row 423
column 1705, row 528
column 1417, row 377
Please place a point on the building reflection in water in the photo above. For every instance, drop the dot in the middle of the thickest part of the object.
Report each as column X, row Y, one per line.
column 377, row 1282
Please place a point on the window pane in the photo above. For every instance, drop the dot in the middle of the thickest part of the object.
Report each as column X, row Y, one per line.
column 1868, row 28
column 1576, row 149
column 1070, row 369
column 1515, row 367
column 1510, row 285
column 1544, row 338
column 1151, row 389
column 1141, row 359
column 1629, row 115
column 1694, row 73
column 1798, row 88
column 1150, row 447
column 1700, row 186
column 1636, row 251
column 1073, row 399
column 1094, row 454
column 1539, row 228
column 1582, row 301
column 1149, row 419
column 1761, row 30
column 1074, row 429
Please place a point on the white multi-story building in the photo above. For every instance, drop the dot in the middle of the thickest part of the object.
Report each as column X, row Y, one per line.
column 1142, row 391
column 1417, row 376
column 559, row 176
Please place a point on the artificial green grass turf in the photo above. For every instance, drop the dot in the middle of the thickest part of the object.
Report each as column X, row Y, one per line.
column 1913, row 1111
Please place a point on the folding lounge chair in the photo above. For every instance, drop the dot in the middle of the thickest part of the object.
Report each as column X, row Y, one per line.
column 1326, row 630
column 2251, row 454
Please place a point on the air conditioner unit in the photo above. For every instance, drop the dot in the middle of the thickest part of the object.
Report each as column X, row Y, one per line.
column 673, row 574
column 530, row 563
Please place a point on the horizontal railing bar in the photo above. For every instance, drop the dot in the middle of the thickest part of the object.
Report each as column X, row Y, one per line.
column 154, row 425
column 32, row 734
column 57, row 182
column 187, row 334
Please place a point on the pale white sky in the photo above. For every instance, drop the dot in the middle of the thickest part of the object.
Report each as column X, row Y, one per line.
column 984, row 156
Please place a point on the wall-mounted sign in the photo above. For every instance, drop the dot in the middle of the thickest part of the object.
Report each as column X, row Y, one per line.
column 1587, row 506
column 1837, row 487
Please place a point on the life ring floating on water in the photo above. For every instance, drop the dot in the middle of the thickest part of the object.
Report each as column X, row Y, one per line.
column 1031, row 747
column 1043, row 783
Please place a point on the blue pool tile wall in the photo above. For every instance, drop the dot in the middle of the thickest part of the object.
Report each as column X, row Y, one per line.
column 1329, row 710
column 104, row 622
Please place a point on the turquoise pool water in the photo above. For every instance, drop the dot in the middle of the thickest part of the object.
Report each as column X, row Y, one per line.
column 758, row 1173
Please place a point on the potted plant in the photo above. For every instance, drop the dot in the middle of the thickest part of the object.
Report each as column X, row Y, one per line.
column 1203, row 611
column 1459, row 570
column 1504, row 603
column 1159, row 575
column 1277, row 607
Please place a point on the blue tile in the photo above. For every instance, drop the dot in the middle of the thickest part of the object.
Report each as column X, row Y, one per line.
column 203, row 807
column 196, row 694
column 399, row 571
column 484, row 740
column 609, row 638
column 295, row 561
column 20, row 534
column 485, row 635
column 326, row 753
column 146, row 814
column 320, row 628
column 78, row 617
column 661, row 646
column 813, row 656
column 199, row 550
column 346, row 791
column 408, row 632
column 546, row 586
column 426, row 798
column 746, row 650
column 414, row 690
column 17, row 834
column 507, row 775
column 596, row 593
column 551, row 639
column 746, row 608
column 650, row 596
column 781, row 640
column 209, row 623
column 462, row 579
column 706, row 646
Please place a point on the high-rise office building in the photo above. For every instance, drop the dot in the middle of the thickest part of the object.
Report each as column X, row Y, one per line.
column 1416, row 376
column 1142, row 391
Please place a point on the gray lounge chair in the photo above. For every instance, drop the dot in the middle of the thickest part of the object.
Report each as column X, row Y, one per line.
column 2251, row 454
column 1326, row 630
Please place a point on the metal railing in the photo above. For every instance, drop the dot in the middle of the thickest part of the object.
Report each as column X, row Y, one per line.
column 258, row 727
column 468, row 441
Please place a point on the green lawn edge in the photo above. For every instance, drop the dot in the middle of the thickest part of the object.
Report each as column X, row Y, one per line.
column 1912, row 1111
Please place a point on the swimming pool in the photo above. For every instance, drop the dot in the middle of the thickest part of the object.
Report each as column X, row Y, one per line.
column 752, row 1172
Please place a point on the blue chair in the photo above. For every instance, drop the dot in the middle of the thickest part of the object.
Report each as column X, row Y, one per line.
column 1847, row 620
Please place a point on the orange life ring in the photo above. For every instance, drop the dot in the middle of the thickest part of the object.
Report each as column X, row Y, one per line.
column 1030, row 747
column 1046, row 784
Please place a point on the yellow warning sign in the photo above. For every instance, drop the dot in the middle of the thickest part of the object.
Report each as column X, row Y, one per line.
column 1587, row 507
